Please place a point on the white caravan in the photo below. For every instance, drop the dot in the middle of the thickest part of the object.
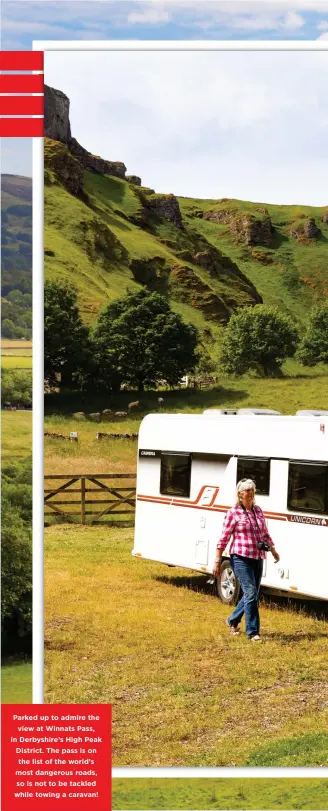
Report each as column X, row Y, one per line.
column 188, row 466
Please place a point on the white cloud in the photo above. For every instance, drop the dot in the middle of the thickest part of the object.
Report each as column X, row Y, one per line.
column 293, row 20
column 151, row 16
column 323, row 36
column 263, row 22
column 323, row 25
column 251, row 125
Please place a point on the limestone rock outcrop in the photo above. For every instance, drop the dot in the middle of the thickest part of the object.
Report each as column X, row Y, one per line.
column 56, row 115
column 306, row 229
column 220, row 216
column 94, row 163
column 134, row 179
column 252, row 230
column 57, row 128
column 325, row 217
column 58, row 159
column 167, row 206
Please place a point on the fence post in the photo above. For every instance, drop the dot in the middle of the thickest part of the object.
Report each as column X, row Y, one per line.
column 82, row 500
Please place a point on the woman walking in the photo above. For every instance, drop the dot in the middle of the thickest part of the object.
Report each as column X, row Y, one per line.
column 250, row 542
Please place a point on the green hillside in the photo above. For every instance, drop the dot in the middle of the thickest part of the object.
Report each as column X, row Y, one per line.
column 104, row 234
column 16, row 256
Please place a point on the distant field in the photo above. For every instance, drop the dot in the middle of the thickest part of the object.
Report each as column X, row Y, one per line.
column 153, row 642
column 16, row 361
column 16, row 354
column 16, row 439
column 15, row 345
column 16, row 683
column 249, row 794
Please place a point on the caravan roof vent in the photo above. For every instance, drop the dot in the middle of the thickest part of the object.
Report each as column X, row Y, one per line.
column 216, row 411
column 241, row 411
column 258, row 411
column 312, row 413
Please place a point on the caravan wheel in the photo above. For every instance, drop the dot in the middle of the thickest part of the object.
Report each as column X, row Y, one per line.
column 228, row 586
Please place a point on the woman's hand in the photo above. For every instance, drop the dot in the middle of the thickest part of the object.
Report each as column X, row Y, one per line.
column 275, row 555
column 216, row 568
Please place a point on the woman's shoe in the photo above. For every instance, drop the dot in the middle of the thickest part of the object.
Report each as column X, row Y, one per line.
column 234, row 630
column 255, row 638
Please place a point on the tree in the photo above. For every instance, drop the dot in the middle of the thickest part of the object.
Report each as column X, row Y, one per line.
column 16, row 556
column 17, row 386
column 314, row 346
column 66, row 339
column 257, row 338
column 139, row 340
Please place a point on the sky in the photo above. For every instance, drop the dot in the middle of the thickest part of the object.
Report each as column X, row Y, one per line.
column 25, row 20
column 156, row 19
column 246, row 125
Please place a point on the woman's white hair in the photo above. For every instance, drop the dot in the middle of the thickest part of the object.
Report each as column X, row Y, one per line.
column 244, row 484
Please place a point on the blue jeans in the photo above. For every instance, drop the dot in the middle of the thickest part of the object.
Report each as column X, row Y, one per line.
column 249, row 573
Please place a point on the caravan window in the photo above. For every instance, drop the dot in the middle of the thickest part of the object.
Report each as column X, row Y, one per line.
column 256, row 469
column 175, row 474
column 307, row 487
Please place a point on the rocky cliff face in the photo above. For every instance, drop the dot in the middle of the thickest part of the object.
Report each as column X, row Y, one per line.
column 57, row 127
column 56, row 115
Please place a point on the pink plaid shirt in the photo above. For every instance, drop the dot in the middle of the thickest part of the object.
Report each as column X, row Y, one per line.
column 245, row 532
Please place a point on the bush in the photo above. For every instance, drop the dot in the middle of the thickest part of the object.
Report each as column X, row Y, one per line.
column 17, row 386
column 257, row 338
column 314, row 346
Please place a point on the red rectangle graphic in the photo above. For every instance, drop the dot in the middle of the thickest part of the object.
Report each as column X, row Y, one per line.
column 21, row 127
column 56, row 757
column 21, row 60
column 21, row 105
column 22, row 83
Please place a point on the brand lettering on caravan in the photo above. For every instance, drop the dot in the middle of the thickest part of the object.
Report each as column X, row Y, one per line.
column 148, row 453
column 307, row 519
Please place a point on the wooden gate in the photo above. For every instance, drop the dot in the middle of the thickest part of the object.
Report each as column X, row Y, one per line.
column 107, row 495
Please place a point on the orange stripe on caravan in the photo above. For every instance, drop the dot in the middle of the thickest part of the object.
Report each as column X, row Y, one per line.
column 179, row 502
column 172, row 502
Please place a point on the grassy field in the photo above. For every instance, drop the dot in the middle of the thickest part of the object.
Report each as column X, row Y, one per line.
column 16, row 354
column 153, row 642
column 16, row 439
column 221, row 794
column 9, row 346
column 16, row 361
column 16, row 683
